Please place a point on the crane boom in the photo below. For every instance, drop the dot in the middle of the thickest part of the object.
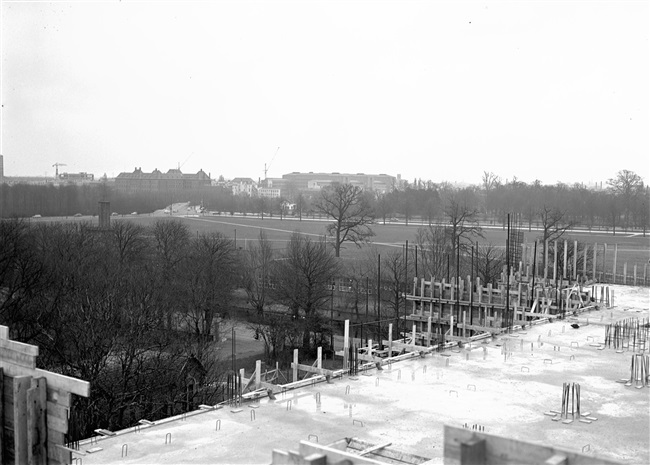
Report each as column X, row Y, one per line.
column 57, row 164
column 266, row 168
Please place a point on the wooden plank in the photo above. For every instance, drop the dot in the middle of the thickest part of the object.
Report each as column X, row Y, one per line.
column 36, row 423
column 57, row 424
column 54, row 380
column 21, row 347
column 58, row 411
column 333, row 455
column 58, row 397
column 58, row 454
column 21, row 385
column 2, row 403
column 18, row 358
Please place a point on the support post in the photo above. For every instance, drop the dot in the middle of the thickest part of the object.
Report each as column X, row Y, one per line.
column 295, row 365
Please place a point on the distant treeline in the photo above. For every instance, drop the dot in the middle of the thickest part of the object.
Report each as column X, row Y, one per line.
column 623, row 204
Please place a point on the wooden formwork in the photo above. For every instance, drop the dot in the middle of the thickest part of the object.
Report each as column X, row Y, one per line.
column 461, row 309
column 35, row 406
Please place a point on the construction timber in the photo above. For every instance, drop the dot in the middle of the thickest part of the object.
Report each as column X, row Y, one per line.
column 465, row 310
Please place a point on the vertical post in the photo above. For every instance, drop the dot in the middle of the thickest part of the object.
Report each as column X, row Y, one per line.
column 390, row 339
column 319, row 357
column 406, row 280
column 625, row 273
column 584, row 263
column 379, row 296
column 258, row 373
column 555, row 261
column 594, row 261
column 346, row 343
column 546, row 252
column 36, row 422
column 429, row 331
column 575, row 260
column 615, row 258
column 21, row 385
column 413, row 340
column 634, row 284
column 565, row 260
column 295, row 365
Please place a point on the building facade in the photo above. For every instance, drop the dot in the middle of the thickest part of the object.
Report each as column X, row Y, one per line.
column 173, row 179
column 316, row 181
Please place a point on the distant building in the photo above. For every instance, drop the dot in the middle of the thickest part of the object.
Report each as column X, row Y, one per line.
column 159, row 181
column 243, row 186
column 76, row 177
column 269, row 192
column 316, row 181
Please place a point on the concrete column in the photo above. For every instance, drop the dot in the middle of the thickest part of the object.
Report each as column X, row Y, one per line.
column 258, row 374
column 295, row 365
column 594, row 261
column 319, row 357
column 390, row 339
column 413, row 341
column 429, row 326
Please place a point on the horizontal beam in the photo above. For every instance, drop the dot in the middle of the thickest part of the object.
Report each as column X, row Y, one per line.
column 54, row 380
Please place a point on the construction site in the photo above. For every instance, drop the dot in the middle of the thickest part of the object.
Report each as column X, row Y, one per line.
column 541, row 374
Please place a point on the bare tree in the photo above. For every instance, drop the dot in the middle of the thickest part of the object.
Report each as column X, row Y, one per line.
column 303, row 280
column 209, row 277
column 555, row 224
column 628, row 186
column 463, row 224
column 489, row 262
column 257, row 272
column 350, row 210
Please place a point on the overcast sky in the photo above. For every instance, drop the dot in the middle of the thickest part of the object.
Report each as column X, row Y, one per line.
column 549, row 90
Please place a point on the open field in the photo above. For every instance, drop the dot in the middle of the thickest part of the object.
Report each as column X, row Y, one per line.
column 633, row 248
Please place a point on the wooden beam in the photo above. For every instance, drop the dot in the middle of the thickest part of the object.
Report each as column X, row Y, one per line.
column 18, row 358
column 54, row 380
column 374, row 448
column 2, row 415
column 26, row 349
column 21, row 385
column 36, row 423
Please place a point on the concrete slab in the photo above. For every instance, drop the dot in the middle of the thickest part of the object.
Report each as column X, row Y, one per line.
column 409, row 403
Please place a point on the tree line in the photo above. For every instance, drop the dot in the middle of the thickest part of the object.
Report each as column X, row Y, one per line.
column 137, row 311
column 624, row 202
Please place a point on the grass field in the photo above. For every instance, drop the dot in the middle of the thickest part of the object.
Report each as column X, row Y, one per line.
column 633, row 248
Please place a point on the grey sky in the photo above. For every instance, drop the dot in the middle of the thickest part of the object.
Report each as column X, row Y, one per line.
column 556, row 91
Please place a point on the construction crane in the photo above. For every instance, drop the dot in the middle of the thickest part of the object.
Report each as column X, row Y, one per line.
column 57, row 164
column 266, row 168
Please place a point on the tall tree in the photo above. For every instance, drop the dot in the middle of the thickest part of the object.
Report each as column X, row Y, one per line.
column 303, row 280
column 257, row 272
column 351, row 212
column 554, row 223
column 628, row 186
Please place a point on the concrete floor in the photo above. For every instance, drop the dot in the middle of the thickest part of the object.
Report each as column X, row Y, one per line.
column 409, row 403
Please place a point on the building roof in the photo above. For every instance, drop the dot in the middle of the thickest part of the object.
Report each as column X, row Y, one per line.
column 507, row 387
